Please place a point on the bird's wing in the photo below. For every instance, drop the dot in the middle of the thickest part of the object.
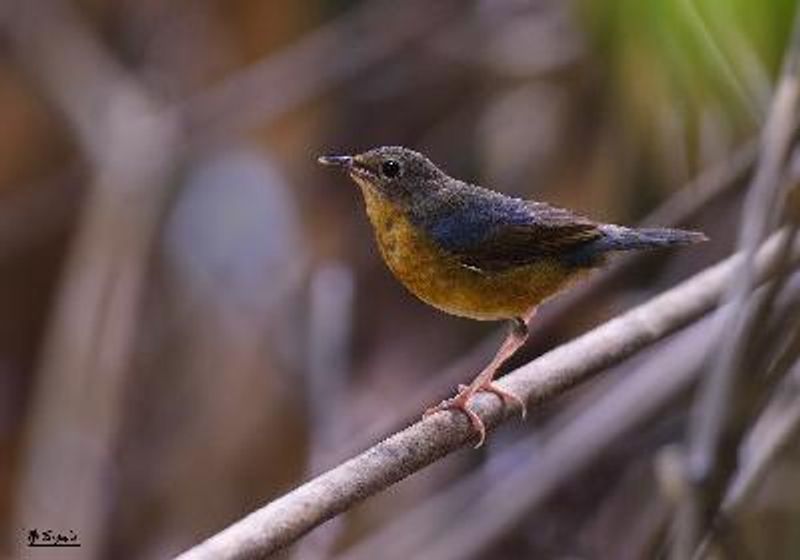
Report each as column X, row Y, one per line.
column 501, row 233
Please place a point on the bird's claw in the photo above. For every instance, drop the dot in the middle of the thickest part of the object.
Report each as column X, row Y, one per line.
column 507, row 397
column 461, row 400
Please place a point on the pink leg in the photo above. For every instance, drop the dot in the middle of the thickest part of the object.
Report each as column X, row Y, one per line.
column 483, row 382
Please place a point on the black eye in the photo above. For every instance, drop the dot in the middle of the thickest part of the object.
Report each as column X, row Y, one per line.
column 390, row 168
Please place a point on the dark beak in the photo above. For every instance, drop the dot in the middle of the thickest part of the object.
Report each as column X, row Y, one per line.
column 345, row 162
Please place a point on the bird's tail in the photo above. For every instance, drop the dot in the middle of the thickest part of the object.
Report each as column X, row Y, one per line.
column 618, row 238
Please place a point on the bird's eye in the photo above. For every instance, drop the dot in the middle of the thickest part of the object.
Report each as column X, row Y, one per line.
column 390, row 168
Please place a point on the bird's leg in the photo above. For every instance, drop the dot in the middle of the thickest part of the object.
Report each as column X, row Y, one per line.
column 484, row 380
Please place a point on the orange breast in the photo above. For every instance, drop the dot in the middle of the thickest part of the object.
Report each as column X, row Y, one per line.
column 438, row 279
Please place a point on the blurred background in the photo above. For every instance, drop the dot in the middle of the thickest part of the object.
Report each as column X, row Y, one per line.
column 195, row 318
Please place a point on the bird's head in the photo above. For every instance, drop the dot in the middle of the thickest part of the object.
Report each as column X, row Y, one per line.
column 393, row 172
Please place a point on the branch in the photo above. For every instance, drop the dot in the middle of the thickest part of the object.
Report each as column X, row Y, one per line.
column 283, row 521
column 544, row 461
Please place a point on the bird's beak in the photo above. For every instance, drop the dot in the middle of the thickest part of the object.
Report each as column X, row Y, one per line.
column 345, row 162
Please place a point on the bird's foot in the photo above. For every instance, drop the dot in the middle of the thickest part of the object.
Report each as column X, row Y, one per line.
column 461, row 402
column 508, row 398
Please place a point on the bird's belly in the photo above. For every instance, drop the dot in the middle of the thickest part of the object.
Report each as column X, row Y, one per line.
column 438, row 279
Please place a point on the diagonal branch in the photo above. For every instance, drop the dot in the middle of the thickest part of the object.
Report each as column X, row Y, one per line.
column 288, row 518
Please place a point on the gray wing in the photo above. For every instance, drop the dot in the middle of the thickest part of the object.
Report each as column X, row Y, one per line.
column 493, row 232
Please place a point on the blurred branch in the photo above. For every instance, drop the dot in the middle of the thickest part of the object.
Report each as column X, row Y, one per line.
column 769, row 439
column 255, row 96
column 262, row 92
column 776, row 428
column 724, row 405
column 779, row 427
column 329, row 369
column 286, row 519
column 78, row 75
column 722, row 62
column 130, row 143
column 321, row 60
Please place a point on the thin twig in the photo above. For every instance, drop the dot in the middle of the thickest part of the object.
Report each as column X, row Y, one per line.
column 286, row 519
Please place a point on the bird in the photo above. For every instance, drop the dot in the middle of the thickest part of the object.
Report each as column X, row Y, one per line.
column 477, row 253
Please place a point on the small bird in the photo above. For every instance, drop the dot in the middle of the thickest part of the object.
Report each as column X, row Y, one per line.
column 477, row 253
